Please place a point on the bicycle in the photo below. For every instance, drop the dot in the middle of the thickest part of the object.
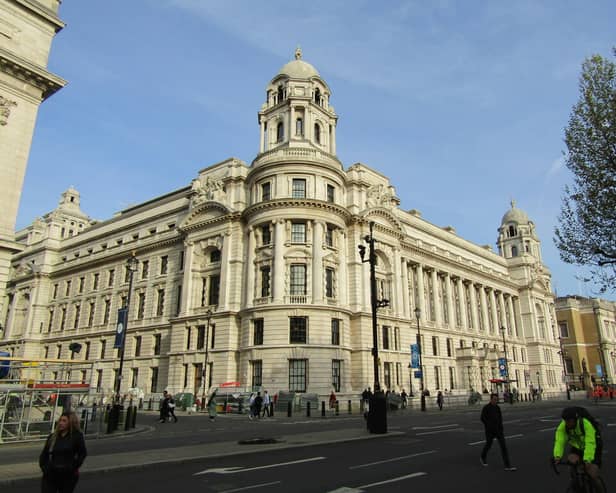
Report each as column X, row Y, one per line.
column 580, row 482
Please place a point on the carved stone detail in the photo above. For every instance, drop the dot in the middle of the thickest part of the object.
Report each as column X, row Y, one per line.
column 5, row 109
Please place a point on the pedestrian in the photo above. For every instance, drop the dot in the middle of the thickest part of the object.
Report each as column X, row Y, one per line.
column 211, row 406
column 332, row 400
column 63, row 455
column 492, row 420
column 172, row 409
column 251, row 405
column 404, row 397
column 266, row 405
column 164, row 407
column 440, row 399
column 258, row 403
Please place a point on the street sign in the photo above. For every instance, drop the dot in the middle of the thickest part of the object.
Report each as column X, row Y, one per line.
column 502, row 366
column 417, row 374
column 414, row 356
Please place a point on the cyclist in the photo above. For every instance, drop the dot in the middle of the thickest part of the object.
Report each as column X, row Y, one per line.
column 585, row 441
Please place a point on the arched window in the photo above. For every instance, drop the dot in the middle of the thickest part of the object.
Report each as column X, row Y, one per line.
column 317, row 96
column 299, row 127
column 280, row 94
column 514, row 251
column 215, row 256
column 317, row 133
column 280, row 132
column 512, row 231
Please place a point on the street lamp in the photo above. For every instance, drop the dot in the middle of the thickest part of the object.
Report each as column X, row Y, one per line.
column 507, row 386
column 539, row 384
column 421, row 373
column 563, row 353
column 208, row 316
column 410, row 380
column 377, row 414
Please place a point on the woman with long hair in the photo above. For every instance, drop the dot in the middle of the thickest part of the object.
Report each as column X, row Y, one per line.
column 63, row 455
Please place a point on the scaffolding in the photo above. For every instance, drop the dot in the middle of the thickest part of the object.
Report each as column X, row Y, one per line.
column 35, row 392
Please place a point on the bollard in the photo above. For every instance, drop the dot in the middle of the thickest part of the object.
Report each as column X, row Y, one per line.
column 289, row 409
column 94, row 412
column 337, row 409
column 308, row 410
column 271, row 409
column 350, row 409
column 128, row 417
column 150, row 408
column 323, row 409
column 84, row 421
column 133, row 422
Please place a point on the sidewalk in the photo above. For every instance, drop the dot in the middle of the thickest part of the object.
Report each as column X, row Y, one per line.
column 100, row 464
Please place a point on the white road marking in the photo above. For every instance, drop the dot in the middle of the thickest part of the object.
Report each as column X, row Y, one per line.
column 393, row 480
column 507, row 437
column 611, row 424
column 254, row 486
column 547, row 429
column 439, row 431
column 234, row 470
column 393, row 460
column 433, row 427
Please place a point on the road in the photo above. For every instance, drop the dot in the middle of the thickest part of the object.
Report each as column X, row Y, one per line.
column 432, row 452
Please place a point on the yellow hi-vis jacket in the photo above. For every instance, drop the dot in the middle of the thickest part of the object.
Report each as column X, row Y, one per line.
column 585, row 440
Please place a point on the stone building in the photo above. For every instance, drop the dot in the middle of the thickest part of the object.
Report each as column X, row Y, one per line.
column 255, row 268
column 27, row 28
column 587, row 329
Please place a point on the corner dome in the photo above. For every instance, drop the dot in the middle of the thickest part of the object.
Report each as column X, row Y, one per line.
column 298, row 68
column 515, row 215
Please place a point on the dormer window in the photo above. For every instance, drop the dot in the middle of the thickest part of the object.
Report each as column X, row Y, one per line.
column 317, row 96
column 279, row 132
column 266, row 191
column 280, row 94
column 317, row 133
column 512, row 231
column 514, row 251
column 330, row 193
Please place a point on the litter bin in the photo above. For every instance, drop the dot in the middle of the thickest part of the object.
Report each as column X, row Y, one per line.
column 377, row 413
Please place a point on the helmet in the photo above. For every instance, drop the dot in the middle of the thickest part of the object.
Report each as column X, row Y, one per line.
column 569, row 413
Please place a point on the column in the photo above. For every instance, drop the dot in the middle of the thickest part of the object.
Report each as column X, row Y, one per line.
column 510, row 316
column 494, row 314
column 438, row 314
column 317, row 262
column 473, row 303
column 503, row 320
column 484, row 308
column 187, row 282
column 462, row 300
column 224, row 271
column 279, row 273
column 406, row 312
column 420, row 294
column 397, row 304
column 333, row 140
column 249, row 270
column 451, row 313
column 343, row 274
column 261, row 136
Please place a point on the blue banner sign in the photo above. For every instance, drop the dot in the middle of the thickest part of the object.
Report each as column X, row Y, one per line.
column 502, row 367
column 5, row 365
column 599, row 371
column 418, row 374
column 414, row 356
column 121, row 328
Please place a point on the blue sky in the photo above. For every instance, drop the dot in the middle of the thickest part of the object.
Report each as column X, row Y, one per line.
column 461, row 104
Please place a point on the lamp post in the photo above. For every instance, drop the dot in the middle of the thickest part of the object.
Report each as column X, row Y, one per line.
column 507, row 386
column 377, row 415
column 539, row 384
column 410, row 380
column 421, row 373
column 563, row 353
column 208, row 316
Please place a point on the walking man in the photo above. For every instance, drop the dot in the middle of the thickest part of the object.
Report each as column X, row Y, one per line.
column 492, row 420
column 266, row 405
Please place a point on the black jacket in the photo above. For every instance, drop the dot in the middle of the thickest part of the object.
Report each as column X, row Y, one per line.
column 492, row 418
column 67, row 454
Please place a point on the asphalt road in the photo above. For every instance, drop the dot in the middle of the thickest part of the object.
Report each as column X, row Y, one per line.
column 432, row 452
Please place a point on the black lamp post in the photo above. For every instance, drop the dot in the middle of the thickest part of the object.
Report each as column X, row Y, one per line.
column 208, row 316
column 377, row 415
column 410, row 380
column 539, row 384
column 563, row 353
column 421, row 373
column 507, row 386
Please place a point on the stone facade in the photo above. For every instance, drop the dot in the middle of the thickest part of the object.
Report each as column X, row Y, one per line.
column 256, row 269
column 27, row 28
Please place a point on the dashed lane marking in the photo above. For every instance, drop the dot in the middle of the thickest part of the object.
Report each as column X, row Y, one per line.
column 393, row 459
column 252, row 487
column 235, row 470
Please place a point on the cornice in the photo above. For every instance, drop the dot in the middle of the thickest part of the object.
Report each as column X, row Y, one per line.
column 41, row 11
column 296, row 204
column 198, row 223
column 30, row 73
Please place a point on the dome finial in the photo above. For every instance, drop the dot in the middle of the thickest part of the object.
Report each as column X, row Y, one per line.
column 298, row 53
column 513, row 203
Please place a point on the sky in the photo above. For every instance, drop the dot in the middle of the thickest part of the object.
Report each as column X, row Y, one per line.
column 462, row 104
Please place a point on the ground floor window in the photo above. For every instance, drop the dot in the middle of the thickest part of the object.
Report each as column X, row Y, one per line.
column 257, row 374
column 336, row 374
column 298, row 373
column 154, row 380
column 387, row 375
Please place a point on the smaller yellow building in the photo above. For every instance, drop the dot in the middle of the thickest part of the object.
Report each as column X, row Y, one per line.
column 587, row 328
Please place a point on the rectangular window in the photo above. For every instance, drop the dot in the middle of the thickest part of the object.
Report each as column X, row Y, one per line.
column 212, row 335
column 103, row 347
column 110, row 277
column 330, row 193
column 265, row 282
column 188, row 337
column 385, row 331
column 299, row 188
column 164, row 264
column 106, row 312
column 266, row 235
column 138, row 346
column 335, row 331
column 181, row 261
column 336, row 374
column 564, row 329
column 329, row 282
column 154, row 380
column 178, row 300
column 91, row 313
column 257, row 331
column 87, row 352
column 387, row 374
column 298, row 280
column 437, row 376
column 68, row 288
column 82, row 282
column 450, row 347
column 297, row 329
column 50, row 325
column 160, row 302
column 452, row 377
column 257, row 374
column 63, row 318
column 127, row 273
column 214, row 290
column 185, row 373
column 99, row 380
column 95, row 281
column 77, row 313
column 140, row 305
column 156, row 344
column 135, row 377
column 329, row 236
column 145, row 269
column 298, row 375
column 266, row 191
column 59, row 353
column 55, row 292
column 200, row 336
column 435, row 346
column 298, row 232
